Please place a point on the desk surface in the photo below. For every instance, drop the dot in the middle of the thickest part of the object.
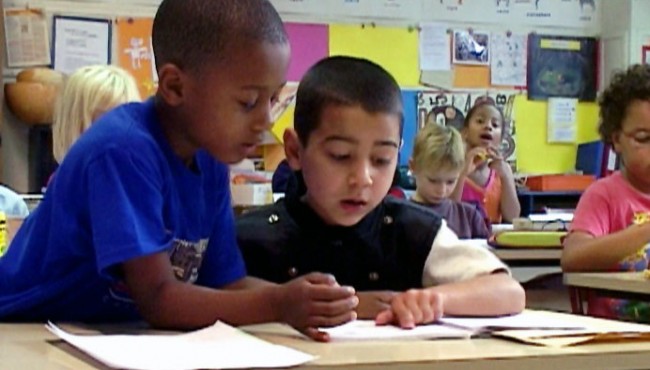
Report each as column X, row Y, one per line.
column 30, row 346
column 629, row 282
column 528, row 254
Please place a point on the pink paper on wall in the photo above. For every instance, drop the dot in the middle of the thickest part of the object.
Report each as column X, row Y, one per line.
column 309, row 44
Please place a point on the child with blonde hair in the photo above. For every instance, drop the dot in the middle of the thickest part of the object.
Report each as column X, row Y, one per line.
column 88, row 93
column 437, row 161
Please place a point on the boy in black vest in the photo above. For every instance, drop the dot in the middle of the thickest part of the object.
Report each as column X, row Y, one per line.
column 407, row 266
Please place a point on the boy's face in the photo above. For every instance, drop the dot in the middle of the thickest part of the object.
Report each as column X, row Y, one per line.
column 484, row 127
column 349, row 162
column 227, row 107
column 633, row 144
column 434, row 185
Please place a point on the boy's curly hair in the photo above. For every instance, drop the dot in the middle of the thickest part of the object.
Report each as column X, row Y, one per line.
column 625, row 87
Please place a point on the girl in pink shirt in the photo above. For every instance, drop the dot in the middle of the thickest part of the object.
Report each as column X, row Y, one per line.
column 610, row 231
column 486, row 178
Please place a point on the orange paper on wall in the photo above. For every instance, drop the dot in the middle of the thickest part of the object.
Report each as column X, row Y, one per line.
column 471, row 76
column 135, row 53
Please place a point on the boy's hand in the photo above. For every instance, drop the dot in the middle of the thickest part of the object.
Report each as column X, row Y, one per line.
column 372, row 303
column 413, row 307
column 316, row 300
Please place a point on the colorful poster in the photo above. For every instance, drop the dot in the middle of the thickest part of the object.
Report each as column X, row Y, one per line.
column 560, row 66
column 135, row 53
column 450, row 109
column 508, row 66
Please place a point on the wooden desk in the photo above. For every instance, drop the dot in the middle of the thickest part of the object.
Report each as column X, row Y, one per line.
column 529, row 254
column 529, row 263
column 630, row 285
column 30, row 346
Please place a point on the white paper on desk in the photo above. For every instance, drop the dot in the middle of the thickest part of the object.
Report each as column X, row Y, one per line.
column 531, row 320
column 216, row 347
column 368, row 330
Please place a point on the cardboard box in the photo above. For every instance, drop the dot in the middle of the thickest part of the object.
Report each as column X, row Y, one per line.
column 251, row 194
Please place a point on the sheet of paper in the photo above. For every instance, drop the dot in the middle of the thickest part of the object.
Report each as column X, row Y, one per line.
column 435, row 47
column 26, row 37
column 80, row 42
column 216, row 347
column 368, row 330
column 525, row 320
column 508, row 65
column 550, row 217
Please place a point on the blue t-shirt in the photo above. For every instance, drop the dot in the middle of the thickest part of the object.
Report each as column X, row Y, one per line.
column 120, row 193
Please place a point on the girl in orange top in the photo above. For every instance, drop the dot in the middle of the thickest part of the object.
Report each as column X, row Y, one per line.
column 487, row 179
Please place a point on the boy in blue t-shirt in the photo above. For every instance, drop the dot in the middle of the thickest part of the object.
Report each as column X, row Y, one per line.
column 140, row 207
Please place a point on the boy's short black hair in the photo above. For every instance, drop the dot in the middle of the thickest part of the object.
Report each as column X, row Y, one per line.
column 344, row 81
column 194, row 33
column 625, row 87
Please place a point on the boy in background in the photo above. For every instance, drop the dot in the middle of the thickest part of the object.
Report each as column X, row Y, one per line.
column 407, row 265
column 437, row 161
column 137, row 223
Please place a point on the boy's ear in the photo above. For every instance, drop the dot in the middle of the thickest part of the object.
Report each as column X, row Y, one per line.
column 170, row 84
column 292, row 148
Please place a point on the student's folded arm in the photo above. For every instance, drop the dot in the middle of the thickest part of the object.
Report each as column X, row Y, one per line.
column 472, row 280
column 584, row 252
column 306, row 303
column 166, row 302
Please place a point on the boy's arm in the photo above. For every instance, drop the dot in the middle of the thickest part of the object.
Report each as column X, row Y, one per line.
column 462, row 279
column 306, row 303
column 584, row 252
column 486, row 295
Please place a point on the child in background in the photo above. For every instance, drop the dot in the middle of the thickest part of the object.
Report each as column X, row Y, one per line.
column 487, row 179
column 407, row 265
column 140, row 208
column 438, row 159
column 609, row 231
column 87, row 94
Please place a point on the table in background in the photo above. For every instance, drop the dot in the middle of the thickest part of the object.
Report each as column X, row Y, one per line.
column 627, row 285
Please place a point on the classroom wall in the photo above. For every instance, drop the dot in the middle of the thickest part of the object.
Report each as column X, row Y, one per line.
column 530, row 116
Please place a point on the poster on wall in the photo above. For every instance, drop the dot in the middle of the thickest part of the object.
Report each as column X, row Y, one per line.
column 135, row 53
column 471, row 47
column 553, row 13
column 560, row 66
column 450, row 109
column 80, row 42
column 26, row 37
column 508, row 64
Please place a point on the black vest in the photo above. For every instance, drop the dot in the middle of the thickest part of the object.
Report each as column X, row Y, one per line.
column 386, row 250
